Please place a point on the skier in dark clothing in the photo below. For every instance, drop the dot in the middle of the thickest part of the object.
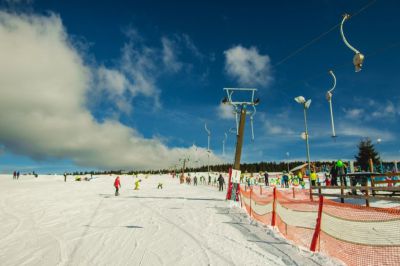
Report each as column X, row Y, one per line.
column 209, row 180
column 334, row 174
column 65, row 177
column 266, row 175
column 18, row 175
column 195, row 181
column 221, row 182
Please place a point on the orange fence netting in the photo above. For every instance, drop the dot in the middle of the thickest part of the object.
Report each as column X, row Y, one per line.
column 354, row 234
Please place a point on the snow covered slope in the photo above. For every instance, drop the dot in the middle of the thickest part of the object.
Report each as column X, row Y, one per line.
column 45, row 221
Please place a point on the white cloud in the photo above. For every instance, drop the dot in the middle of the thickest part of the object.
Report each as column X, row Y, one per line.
column 354, row 113
column 248, row 66
column 384, row 111
column 169, row 55
column 138, row 62
column 375, row 111
column 351, row 130
column 191, row 46
column 43, row 88
column 277, row 124
column 112, row 81
column 225, row 111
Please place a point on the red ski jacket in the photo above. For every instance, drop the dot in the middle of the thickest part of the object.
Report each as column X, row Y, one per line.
column 117, row 183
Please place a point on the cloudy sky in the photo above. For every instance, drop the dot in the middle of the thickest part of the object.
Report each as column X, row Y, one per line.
column 130, row 84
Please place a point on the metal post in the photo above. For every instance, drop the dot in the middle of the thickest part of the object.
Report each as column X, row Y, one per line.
column 288, row 169
column 332, row 122
column 208, row 148
column 307, row 144
column 308, row 151
column 239, row 142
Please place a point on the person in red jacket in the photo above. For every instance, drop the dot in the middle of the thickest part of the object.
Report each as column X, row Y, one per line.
column 117, row 185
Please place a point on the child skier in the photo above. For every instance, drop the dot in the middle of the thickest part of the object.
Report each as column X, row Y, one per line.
column 117, row 185
column 137, row 183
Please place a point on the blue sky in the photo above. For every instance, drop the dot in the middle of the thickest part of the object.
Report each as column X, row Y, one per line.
column 147, row 75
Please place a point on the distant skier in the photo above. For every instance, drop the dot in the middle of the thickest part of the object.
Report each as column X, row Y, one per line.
column 137, row 184
column 285, row 179
column 221, row 182
column 313, row 178
column 65, row 177
column 209, row 180
column 195, row 181
column 117, row 185
column 160, row 185
column 266, row 176
column 17, row 175
column 334, row 175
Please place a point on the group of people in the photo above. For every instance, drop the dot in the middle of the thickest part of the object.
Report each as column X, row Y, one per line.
column 220, row 180
column 16, row 175
column 117, row 183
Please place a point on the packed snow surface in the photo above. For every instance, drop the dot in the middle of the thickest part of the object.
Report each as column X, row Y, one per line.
column 46, row 221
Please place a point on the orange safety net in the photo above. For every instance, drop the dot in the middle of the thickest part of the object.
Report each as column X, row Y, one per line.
column 355, row 234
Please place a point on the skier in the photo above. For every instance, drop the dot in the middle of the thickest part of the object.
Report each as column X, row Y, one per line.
column 15, row 175
column 209, row 180
column 195, row 181
column 65, row 177
column 266, row 175
column 221, row 182
column 117, row 185
column 137, row 183
column 334, row 174
column 285, row 179
column 313, row 178
column 159, row 185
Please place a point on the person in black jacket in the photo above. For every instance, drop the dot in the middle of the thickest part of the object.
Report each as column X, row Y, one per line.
column 266, row 175
column 334, row 175
column 221, row 182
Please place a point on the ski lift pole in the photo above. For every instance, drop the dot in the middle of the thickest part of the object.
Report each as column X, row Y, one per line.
column 358, row 58
column 208, row 148
column 240, row 109
column 329, row 98
column 239, row 142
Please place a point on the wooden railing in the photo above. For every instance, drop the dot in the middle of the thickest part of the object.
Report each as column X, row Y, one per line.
column 369, row 193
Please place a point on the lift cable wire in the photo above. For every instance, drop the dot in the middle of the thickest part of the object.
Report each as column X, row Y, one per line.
column 321, row 35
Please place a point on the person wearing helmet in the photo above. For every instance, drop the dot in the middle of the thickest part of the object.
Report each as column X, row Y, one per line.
column 342, row 171
column 334, row 174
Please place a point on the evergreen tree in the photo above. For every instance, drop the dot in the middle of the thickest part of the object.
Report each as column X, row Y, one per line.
column 366, row 151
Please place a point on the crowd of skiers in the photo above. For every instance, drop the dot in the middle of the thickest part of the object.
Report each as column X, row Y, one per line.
column 16, row 175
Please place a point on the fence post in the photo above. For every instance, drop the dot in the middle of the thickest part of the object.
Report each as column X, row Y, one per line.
column 294, row 195
column 341, row 193
column 273, row 220
column 251, row 190
column 318, row 225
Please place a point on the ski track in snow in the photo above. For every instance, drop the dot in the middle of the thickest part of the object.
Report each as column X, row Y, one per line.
column 46, row 221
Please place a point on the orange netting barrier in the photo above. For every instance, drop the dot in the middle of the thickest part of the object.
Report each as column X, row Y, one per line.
column 354, row 234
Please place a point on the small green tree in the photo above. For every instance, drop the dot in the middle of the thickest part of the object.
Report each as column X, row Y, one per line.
column 366, row 151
